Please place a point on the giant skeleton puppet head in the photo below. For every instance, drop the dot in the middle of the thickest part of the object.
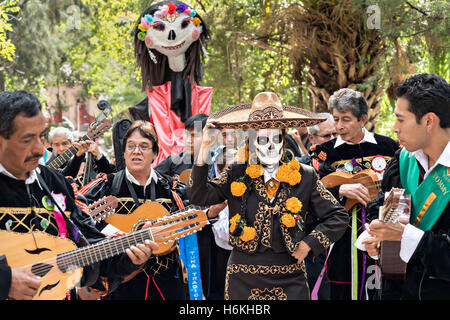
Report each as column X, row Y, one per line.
column 170, row 36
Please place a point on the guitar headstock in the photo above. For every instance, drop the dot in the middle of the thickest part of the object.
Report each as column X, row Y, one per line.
column 396, row 206
column 99, row 128
column 179, row 225
column 102, row 208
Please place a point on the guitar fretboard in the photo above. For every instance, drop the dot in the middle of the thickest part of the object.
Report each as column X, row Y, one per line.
column 65, row 156
column 88, row 255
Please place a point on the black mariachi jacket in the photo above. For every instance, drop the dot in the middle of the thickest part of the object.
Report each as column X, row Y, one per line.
column 266, row 216
column 24, row 212
column 428, row 270
column 164, row 269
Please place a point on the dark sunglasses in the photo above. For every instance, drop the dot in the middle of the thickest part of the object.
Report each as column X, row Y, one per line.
column 326, row 136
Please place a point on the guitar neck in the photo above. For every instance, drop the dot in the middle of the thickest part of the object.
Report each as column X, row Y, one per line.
column 168, row 228
column 65, row 156
column 89, row 255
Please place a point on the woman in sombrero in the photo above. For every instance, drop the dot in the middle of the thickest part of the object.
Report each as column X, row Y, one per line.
column 269, row 195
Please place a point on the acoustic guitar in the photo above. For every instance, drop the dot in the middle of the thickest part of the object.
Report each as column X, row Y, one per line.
column 59, row 262
column 367, row 178
column 184, row 176
column 99, row 126
column 103, row 208
column 150, row 211
column 396, row 208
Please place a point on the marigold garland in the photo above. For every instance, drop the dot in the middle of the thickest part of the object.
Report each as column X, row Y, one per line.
column 288, row 220
column 238, row 188
column 289, row 173
column 248, row 234
column 235, row 218
column 244, row 232
column 232, row 227
column 254, row 171
column 294, row 165
column 294, row 205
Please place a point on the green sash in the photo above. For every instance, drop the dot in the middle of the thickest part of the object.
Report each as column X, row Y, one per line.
column 431, row 197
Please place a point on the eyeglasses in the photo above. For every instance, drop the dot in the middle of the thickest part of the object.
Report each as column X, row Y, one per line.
column 143, row 148
column 326, row 136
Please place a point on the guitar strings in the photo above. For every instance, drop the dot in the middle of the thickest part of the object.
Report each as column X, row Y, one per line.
column 115, row 243
column 67, row 258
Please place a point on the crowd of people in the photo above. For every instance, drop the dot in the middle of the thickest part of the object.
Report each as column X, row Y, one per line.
column 274, row 230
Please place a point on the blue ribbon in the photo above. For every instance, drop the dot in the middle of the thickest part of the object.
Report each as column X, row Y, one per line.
column 191, row 260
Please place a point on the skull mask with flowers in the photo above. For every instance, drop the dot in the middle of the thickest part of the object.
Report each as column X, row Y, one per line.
column 269, row 148
column 170, row 31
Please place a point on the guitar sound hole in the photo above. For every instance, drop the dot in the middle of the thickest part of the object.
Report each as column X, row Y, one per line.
column 138, row 225
column 41, row 269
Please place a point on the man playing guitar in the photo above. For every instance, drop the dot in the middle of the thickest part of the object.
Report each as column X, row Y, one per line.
column 24, row 208
column 353, row 151
column 422, row 169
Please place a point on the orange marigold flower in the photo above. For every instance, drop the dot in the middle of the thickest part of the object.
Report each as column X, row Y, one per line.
column 294, row 205
column 232, row 226
column 283, row 173
column 294, row 165
column 196, row 21
column 235, row 218
column 248, row 234
column 254, row 171
column 294, row 178
column 288, row 220
column 238, row 188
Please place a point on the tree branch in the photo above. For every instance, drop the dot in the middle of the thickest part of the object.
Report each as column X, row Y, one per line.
column 417, row 9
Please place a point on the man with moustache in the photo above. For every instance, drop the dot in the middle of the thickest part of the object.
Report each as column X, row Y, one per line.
column 25, row 183
column 422, row 168
column 354, row 150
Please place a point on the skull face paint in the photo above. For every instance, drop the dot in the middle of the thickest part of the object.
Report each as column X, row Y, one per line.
column 269, row 147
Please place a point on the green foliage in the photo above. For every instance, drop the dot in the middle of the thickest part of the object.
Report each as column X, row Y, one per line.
column 90, row 42
column 386, row 119
column 7, row 47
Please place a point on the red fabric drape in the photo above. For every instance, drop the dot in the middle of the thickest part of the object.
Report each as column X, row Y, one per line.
column 168, row 124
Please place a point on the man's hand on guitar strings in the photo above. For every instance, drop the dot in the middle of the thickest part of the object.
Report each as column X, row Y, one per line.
column 386, row 231
column 355, row 191
column 24, row 284
column 141, row 253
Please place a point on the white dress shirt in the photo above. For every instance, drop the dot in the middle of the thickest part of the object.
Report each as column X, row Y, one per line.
column 412, row 235
column 110, row 229
column 30, row 180
column 368, row 137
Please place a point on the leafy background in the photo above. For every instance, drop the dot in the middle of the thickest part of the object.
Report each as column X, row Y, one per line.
column 303, row 50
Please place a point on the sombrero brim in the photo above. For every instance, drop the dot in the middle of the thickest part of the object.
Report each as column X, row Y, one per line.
column 237, row 118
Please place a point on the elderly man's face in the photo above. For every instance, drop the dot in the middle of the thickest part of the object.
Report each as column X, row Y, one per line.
column 326, row 133
column 60, row 143
column 348, row 126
